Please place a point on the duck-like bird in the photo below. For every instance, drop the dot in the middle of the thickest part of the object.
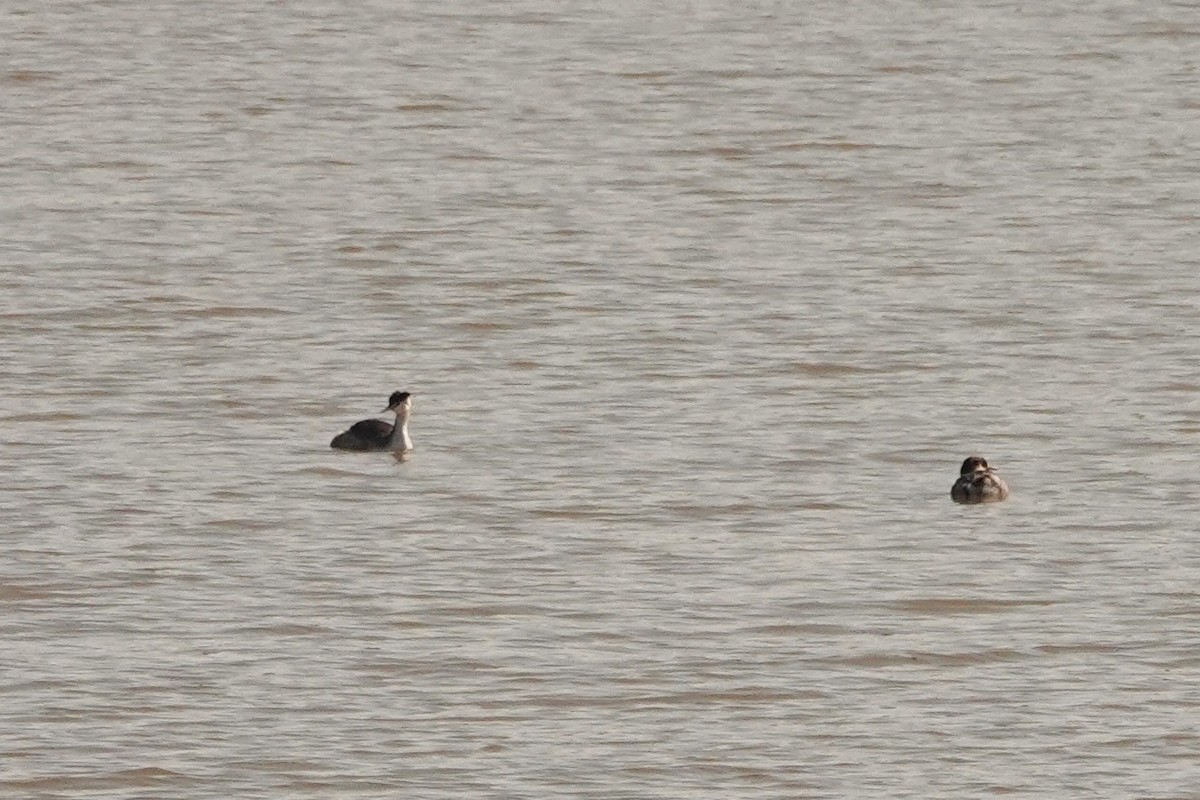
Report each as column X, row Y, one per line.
column 978, row 483
column 375, row 434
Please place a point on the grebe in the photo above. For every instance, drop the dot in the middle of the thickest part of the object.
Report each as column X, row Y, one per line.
column 978, row 483
column 375, row 434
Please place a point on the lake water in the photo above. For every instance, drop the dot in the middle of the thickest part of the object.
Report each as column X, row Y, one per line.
column 701, row 306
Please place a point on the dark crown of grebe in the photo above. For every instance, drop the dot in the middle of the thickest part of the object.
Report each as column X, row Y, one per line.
column 972, row 464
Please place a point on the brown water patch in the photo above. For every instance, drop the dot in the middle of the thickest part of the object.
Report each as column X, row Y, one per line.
column 285, row 629
column 1187, row 387
column 1188, row 663
column 17, row 594
column 496, row 610
column 1170, row 33
column 277, row 765
column 910, row 69
column 800, row 629
column 327, row 472
column 935, row 191
column 827, row 145
column 731, row 74
column 817, row 505
column 207, row 212
column 730, row 153
column 125, row 327
column 701, row 511
column 132, row 511
column 27, row 76
column 118, row 164
column 444, row 665
column 482, row 327
column 826, row 369
column 344, row 785
column 750, row 695
column 940, row 606
column 927, row 659
column 1058, row 649
column 654, row 75
column 1090, row 55
column 606, row 514
column 242, row 524
column 406, row 625
column 235, row 312
column 425, row 107
column 122, row 779
column 470, row 157
column 46, row 416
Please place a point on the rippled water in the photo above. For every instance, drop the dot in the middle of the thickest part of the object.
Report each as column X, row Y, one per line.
column 701, row 306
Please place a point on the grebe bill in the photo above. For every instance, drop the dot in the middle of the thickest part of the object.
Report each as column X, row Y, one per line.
column 375, row 434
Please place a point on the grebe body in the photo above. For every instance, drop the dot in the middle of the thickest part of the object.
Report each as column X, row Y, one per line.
column 375, row 434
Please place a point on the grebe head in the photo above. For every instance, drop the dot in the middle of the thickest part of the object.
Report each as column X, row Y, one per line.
column 399, row 400
column 973, row 464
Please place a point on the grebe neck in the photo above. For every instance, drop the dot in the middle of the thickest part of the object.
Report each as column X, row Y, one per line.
column 400, row 437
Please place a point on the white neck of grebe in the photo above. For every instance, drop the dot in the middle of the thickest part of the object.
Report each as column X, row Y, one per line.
column 400, row 438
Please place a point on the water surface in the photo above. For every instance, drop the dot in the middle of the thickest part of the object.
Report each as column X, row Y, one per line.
column 701, row 306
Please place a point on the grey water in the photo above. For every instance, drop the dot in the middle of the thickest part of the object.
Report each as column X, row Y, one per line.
column 701, row 305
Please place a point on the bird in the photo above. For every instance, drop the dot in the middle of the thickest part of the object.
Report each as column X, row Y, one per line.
column 375, row 434
column 978, row 483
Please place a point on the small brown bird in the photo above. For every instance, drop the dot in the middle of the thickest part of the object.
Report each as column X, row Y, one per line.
column 978, row 483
